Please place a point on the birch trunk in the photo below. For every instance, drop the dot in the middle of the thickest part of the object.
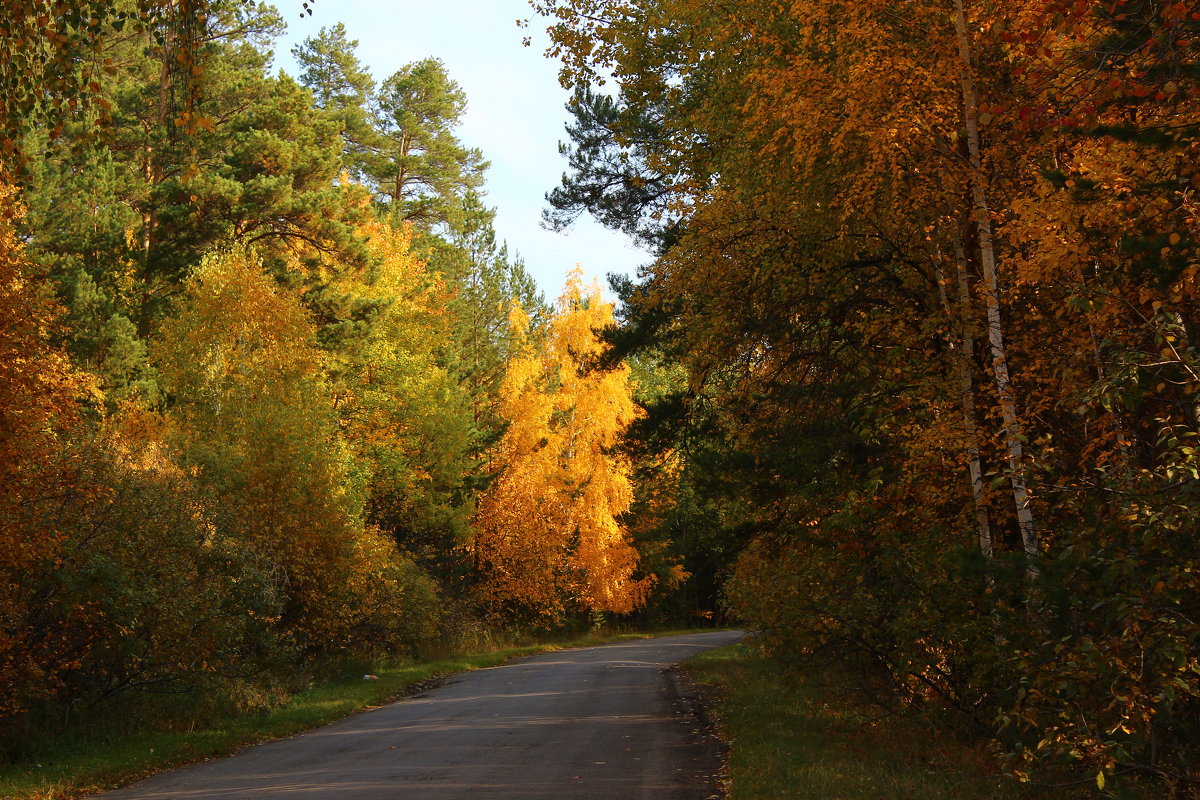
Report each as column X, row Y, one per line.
column 991, row 294
column 966, row 350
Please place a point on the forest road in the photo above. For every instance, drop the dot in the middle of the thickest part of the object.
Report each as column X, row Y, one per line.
column 597, row 723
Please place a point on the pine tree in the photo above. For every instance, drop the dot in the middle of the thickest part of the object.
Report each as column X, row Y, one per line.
column 343, row 88
column 484, row 281
column 420, row 169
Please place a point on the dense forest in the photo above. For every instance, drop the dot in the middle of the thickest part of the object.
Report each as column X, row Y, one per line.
column 273, row 395
column 931, row 269
column 909, row 386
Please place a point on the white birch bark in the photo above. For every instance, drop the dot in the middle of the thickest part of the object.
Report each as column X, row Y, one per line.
column 967, row 395
column 990, row 292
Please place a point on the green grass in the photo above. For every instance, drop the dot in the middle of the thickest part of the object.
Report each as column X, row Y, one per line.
column 795, row 742
column 89, row 761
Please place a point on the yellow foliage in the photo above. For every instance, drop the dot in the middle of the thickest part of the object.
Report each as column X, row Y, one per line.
column 255, row 418
column 241, row 360
column 548, row 536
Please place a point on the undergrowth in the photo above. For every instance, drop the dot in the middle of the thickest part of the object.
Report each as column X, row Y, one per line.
column 790, row 739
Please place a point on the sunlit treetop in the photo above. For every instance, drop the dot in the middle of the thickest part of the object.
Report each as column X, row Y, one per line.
column 54, row 59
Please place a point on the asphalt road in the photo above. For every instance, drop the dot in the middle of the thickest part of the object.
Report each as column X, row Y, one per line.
column 598, row 723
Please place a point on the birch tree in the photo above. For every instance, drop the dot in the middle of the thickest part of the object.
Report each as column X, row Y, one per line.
column 550, row 540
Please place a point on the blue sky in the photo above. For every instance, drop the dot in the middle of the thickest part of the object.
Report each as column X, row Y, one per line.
column 515, row 113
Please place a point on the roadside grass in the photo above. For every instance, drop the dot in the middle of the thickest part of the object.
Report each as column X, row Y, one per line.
column 788, row 741
column 103, row 757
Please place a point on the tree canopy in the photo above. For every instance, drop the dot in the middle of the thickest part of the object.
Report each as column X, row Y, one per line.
column 927, row 267
column 908, row 384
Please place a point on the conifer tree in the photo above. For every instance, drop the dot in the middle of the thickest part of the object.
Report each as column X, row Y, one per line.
column 343, row 88
column 402, row 412
column 420, row 168
column 484, row 281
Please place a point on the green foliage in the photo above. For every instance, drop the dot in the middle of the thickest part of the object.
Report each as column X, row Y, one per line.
column 51, row 58
column 198, row 613
column 802, row 739
column 419, row 167
column 484, row 281
column 240, row 361
column 122, row 365
column 343, row 89
column 610, row 178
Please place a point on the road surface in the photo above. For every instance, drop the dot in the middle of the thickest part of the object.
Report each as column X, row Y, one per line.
column 597, row 723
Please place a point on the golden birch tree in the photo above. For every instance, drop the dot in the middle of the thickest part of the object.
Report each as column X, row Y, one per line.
column 549, row 535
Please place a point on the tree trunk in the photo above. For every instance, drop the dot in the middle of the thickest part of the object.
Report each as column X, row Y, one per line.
column 991, row 294
column 966, row 350
column 1123, row 439
column 152, row 174
column 401, row 176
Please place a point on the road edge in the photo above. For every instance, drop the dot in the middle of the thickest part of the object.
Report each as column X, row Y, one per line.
column 694, row 704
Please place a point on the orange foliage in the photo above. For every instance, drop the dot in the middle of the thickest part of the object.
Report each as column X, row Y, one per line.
column 549, row 539
column 926, row 239
column 39, row 393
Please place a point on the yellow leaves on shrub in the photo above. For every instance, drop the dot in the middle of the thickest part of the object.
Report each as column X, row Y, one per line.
column 241, row 362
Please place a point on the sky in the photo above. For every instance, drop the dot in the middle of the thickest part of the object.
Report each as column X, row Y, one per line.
column 515, row 113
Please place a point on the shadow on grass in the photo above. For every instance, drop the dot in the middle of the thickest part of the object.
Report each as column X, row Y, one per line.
column 794, row 741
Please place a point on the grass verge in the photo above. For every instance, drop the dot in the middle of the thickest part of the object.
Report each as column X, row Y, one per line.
column 788, row 741
column 85, row 762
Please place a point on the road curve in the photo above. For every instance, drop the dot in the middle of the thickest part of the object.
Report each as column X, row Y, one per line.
column 597, row 723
